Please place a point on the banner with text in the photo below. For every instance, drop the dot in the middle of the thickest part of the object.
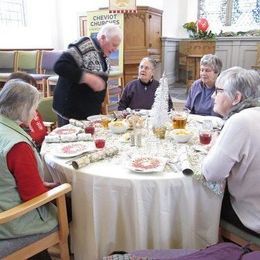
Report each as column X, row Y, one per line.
column 95, row 20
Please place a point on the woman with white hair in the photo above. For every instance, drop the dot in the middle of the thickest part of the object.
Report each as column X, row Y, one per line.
column 140, row 93
column 199, row 99
column 235, row 154
column 20, row 163
column 83, row 73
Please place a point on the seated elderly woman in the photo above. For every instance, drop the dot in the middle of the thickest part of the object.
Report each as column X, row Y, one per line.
column 36, row 129
column 140, row 93
column 199, row 99
column 235, row 154
column 20, row 163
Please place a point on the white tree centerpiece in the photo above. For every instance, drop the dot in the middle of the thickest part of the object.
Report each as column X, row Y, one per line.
column 159, row 111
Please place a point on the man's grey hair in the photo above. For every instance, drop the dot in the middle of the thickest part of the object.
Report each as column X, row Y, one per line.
column 234, row 79
column 212, row 61
column 17, row 98
column 110, row 30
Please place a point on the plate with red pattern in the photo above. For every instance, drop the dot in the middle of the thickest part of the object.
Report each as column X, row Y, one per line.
column 72, row 149
column 147, row 164
column 65, row 131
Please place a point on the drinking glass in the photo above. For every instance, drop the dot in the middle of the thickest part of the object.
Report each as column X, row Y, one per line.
column 105, row 120
column 179, row 118
column 205, row 132
column 90, row 129
column 100, row 141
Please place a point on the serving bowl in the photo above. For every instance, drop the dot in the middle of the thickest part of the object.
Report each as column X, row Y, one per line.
column 181, row 135
column 118, row 127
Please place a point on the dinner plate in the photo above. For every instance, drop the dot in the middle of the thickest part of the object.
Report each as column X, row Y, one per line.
column 72, row 149
column 146, row 164
column 94, row 118
column 217, row 122
column 65, row 131
column 144, row 112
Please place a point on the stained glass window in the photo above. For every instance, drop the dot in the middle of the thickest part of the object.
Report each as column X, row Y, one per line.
column 231, row 15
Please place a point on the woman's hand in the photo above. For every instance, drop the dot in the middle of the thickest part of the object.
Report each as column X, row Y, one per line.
column 50, row 185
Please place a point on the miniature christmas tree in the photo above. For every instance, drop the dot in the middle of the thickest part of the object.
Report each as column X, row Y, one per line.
column 159, row 112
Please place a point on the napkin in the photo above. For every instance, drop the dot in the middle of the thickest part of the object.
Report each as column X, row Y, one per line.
column 68, row 138
column 94, row 157
column 184, row 161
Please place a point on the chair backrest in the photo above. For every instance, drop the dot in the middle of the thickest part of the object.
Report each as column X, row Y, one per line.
column 27, row 61
column 7, row 61
column 47, row 61
column 45, row 109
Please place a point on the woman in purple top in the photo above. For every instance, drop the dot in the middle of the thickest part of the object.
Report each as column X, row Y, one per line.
column 139, row 93
column 199, row 99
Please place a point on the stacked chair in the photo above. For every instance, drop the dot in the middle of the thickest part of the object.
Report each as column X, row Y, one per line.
column 7, row 65
column 27, row 61
column 38, row 63
column 46, row 64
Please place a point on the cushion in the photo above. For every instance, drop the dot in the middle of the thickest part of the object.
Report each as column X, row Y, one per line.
column 9, row 246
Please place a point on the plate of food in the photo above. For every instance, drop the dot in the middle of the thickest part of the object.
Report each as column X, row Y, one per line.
column 72, row 149
column 147, row 164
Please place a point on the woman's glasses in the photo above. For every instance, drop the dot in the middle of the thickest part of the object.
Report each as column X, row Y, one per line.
column 218, row 90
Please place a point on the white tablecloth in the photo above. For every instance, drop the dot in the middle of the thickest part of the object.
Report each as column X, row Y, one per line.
column 116, row 209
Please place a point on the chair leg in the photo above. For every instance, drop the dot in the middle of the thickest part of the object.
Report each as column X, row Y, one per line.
column 64, row 250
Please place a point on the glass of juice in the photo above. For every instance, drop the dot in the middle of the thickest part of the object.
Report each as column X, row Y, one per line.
column 90, row 129
column 205, row 132
column 179, row 118
column 100, row 141
column 105, row 120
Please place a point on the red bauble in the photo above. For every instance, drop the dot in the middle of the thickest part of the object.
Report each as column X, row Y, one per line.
column 203, row 24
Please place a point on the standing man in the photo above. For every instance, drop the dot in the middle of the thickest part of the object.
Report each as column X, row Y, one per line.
column 83, row 73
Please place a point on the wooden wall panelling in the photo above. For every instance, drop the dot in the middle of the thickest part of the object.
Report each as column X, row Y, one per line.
column 142, row 36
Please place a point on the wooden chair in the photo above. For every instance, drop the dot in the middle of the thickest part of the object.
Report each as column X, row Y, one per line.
column 58, row 236
column 48, row 116
column 28, row 61
column 238, row 236
column 51, row 83
column 46, row 64
column 7, row 64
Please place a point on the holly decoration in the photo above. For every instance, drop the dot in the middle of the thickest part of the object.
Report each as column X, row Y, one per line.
column 198, row 30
